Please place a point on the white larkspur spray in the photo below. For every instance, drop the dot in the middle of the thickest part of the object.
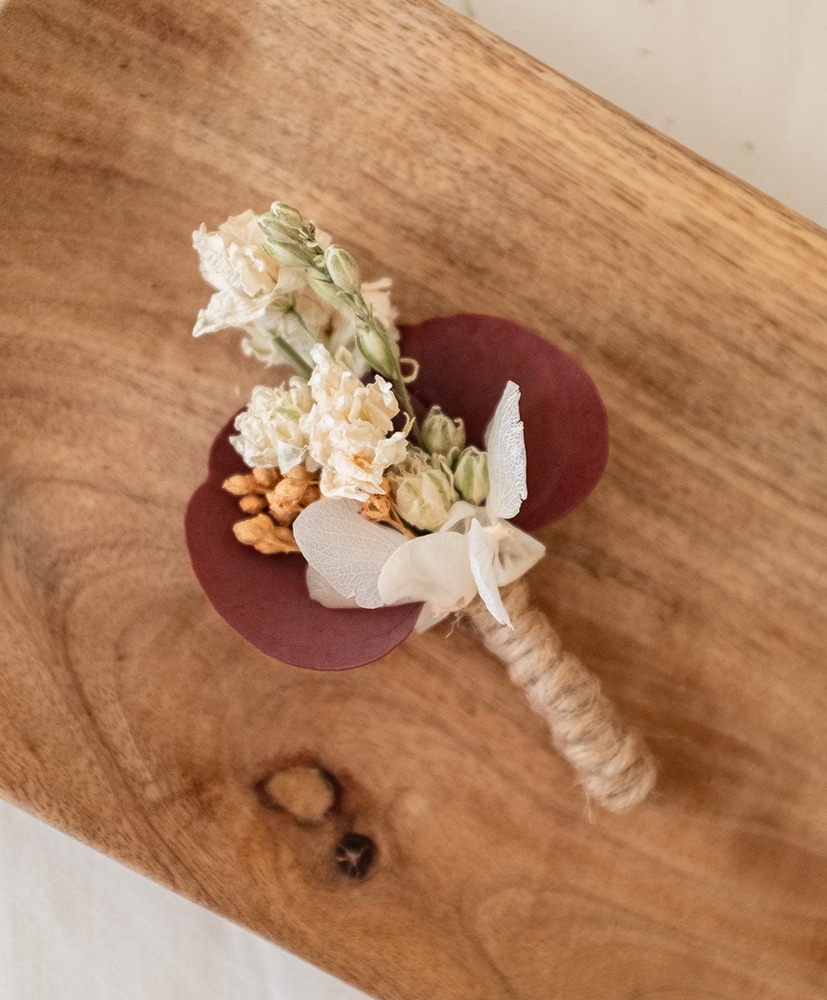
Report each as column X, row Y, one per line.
column 475, row 551
column 349, row 430
column 268, row 294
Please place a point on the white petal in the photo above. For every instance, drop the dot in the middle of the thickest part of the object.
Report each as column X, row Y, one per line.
column 428, row 618
column 461, row 515
column 505, row 444
column 433, row 569
column 516, row 554
column 321, row 591
column 347, row 549
column 482, row 552
column 228, row 309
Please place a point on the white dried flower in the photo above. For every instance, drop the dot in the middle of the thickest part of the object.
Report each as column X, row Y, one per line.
column 270, row 433
column 350, row 428
column 272, row 303
column 232, row 258
column 233, row 261
column 298, row 320
column 475, row 551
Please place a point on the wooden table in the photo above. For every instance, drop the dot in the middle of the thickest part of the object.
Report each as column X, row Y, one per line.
column 693, row 580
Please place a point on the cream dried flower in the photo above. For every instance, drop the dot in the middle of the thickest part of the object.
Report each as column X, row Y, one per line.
column 246, row 279
column 350, row 428
column 270, row 431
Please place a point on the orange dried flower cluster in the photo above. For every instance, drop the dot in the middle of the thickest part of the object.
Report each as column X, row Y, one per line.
column 274, row 502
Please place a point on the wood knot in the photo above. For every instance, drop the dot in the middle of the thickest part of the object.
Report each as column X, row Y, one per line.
column 307, row 793
column 355, row 855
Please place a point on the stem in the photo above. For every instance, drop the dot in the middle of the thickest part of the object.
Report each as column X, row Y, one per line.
column 292, row 355
column 395, row 521
column 293, row 311
column 401, row 391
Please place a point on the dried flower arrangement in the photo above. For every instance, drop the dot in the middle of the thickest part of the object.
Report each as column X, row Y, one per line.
column 371, row 508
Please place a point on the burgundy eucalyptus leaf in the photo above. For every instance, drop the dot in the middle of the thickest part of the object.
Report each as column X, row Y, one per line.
column 464, row 364
column 264, row 597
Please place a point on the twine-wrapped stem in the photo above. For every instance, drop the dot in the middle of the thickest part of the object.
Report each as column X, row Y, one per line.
column 612, row 762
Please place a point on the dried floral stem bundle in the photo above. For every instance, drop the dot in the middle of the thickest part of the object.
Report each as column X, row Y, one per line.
column 394, row 509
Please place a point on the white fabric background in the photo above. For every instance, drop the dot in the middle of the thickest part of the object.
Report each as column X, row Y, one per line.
column 75, row 925
column 742, row 82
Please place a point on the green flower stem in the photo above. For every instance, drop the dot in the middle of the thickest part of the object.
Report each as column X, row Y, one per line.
column 402, row 395
column 292, row 355
column 293, row 311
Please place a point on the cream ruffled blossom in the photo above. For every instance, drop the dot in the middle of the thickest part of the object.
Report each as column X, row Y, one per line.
column 349, row 430
column 246, row 278
column 232, row 258
column 270, row 433
column 332, row 422
column 352, row 562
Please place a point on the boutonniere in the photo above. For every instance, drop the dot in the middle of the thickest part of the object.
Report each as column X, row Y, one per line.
column 393, row 480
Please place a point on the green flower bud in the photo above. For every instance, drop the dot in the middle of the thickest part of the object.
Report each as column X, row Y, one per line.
column 441, row 435
column 326, row 290
column 424, row 499
column 287, row 215
column 275, row 230
column 291, row 254
column 343, row 269
column 471, row 475
column 377, row 349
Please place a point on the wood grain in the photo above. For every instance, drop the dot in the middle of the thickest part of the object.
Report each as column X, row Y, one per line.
column 693, row 580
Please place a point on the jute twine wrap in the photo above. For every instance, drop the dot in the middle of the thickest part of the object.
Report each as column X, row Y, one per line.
column 613, row 764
